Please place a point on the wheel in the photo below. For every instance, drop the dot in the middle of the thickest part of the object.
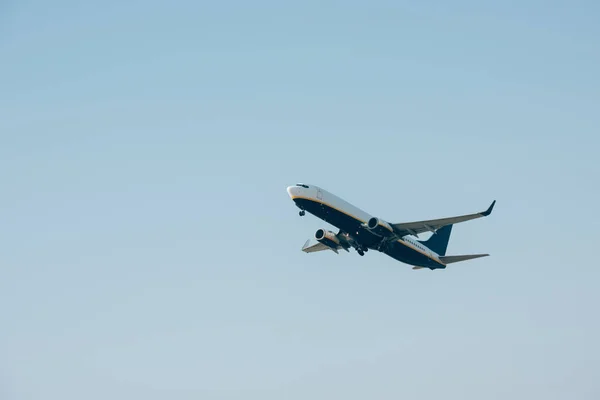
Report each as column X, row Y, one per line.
column 361, row 253
column 301, row 213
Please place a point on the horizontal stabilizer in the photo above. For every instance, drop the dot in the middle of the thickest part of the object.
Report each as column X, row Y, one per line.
column 453, row 259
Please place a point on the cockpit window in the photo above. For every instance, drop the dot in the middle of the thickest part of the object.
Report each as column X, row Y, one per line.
column 302, row 185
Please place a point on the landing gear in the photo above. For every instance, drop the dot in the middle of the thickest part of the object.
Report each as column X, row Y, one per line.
column 302, row 213
column 361, row 251
column 382, row 246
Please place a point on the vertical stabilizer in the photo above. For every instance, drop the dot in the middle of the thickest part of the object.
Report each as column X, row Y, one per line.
column 438, row 242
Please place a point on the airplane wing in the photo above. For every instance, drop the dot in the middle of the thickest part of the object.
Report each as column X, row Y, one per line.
column 317, row 247
column 343, row 242
column 432, row 225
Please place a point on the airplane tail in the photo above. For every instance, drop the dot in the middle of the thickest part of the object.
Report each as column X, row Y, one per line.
column 453, row 259
column 438, row 242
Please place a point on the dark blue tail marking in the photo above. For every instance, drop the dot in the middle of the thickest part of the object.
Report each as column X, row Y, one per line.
column 438, row 242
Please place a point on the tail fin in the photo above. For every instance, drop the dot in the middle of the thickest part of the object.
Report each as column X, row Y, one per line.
column 438, row 242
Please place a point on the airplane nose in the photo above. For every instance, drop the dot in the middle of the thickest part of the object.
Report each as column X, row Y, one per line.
column 291, row 191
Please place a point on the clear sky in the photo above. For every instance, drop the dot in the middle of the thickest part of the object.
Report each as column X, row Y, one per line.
column 149, row 248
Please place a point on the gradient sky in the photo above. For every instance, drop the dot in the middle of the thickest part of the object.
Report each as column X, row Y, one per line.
column 149, row 247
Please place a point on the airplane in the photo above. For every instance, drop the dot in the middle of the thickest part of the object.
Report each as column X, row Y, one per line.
column 362, row 231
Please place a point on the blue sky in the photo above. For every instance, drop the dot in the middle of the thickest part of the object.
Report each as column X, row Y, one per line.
column 150, row 248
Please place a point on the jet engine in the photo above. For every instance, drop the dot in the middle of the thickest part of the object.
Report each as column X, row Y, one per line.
column 328, row 238
column 379, row 227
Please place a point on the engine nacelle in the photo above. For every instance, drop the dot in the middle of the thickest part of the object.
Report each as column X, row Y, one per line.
column 328, row 238
column 379, row 227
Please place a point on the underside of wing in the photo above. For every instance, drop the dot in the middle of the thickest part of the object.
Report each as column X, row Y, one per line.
column 307, row 248
column 432, row 225
column 453, row 259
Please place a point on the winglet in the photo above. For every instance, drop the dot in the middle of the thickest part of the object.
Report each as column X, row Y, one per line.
column 489, row 210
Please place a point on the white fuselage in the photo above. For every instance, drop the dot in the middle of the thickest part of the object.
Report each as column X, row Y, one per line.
column 311, row 194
